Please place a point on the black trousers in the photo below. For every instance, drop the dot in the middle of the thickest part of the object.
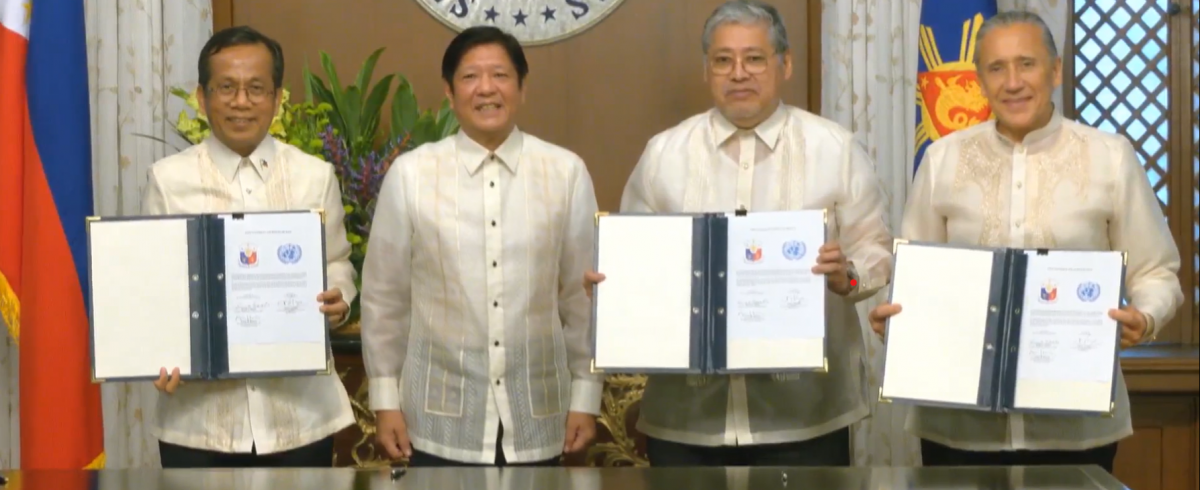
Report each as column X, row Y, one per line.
column 934, row 454
column 419, row 458
column 832, row 449
column 316, row 455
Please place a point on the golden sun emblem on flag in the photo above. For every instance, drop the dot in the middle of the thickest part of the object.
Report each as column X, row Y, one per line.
column 949, row 93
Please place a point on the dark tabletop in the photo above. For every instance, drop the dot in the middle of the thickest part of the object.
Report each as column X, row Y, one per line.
column 1031, row 478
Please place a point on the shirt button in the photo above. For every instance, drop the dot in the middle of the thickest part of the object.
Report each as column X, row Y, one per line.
column 493, row 222
column 493, row 184
column 493, row 263
column 496, row 343
column 745, row 166
column 497, row 382
column 496, row 304
column 1018, row 185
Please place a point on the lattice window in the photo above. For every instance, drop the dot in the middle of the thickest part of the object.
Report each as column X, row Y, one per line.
column 1122, row 75
column 1129, row 76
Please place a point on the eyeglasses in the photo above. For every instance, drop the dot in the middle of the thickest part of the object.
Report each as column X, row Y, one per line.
column 256, row 93
column 754, row 64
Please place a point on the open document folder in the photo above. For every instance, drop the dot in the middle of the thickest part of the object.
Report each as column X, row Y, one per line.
column 1004, row 330
column 709, row 293
column 218, row 296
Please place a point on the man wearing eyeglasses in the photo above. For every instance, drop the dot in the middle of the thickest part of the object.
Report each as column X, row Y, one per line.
column 257, row 422
column 756, row 153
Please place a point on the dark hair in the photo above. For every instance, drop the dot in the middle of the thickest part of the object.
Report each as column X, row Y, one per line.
column 473, row 37
column 240, row 36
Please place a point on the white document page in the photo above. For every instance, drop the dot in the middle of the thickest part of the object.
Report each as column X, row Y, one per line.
column 776, row 305
column 1068, row 343
column 644, row 305
column 141, row 311
column 275, row 270
column 934, row 346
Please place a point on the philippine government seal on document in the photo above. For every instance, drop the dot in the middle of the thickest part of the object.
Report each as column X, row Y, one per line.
column 533, row 22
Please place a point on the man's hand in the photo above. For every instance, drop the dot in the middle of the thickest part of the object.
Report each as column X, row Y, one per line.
column 167, row 384
column 333, row 306
column 392, row 433
column 879, row 316
column 1133, row 325
column 581, row 429
column 590, row 279
column 832, row 263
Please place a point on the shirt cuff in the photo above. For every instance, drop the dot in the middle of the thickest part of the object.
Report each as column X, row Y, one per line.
column 862, row 289
column 585, row 395
column 1151, row 328
column 385, row 394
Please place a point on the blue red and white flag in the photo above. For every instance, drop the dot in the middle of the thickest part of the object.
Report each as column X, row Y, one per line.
column 45, row 198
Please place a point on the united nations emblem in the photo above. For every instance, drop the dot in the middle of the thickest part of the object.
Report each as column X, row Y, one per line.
column 533, row 22
column 794, row 250
column 289, row 253
column 1088, row 291
column 949, row 96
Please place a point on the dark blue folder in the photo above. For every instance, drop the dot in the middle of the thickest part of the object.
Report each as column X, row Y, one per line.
column 206, row 289
column 708, row 344
column 1002, row 337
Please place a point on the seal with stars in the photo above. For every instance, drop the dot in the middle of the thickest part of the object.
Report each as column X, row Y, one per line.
column 532, row 22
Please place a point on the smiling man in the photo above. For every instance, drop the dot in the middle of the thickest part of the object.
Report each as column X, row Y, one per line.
column 1032, row 179
column 754, row 152
column 475, row 331
column 253, row 422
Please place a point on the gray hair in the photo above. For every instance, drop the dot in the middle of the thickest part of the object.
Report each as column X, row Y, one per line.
column 1010, row 18
column 747, row 12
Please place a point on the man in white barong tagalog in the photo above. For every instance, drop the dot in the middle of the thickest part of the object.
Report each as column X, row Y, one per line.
column 257, row 422
column 475, row 331
column 753, row 152
column 1032, row 179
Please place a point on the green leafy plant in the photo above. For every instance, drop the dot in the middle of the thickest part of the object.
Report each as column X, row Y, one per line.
column 341, row 124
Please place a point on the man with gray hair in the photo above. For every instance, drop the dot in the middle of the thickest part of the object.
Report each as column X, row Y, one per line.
column 756, row 153
column 1031, row 179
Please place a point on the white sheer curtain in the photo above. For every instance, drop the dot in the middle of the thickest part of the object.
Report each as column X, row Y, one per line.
column 868, row 78
column 868, row 81
column 137, row 51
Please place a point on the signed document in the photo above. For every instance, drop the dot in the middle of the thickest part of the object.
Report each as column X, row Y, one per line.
column 275, row 265
column 776, row 304
column 216, row 295
column 1003, row 329
column 709, row 293
column 1068, row 343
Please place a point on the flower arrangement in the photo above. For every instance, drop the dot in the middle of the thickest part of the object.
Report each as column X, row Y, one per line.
column 341, row 125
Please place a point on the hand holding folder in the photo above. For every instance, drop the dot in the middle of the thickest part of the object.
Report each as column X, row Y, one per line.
column 1002, row 330
column 230, row 295
column 710, row 293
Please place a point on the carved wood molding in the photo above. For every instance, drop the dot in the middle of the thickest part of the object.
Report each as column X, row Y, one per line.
column 1162, row 368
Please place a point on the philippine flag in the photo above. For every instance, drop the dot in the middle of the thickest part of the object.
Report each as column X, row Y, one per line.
column 45, row 198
